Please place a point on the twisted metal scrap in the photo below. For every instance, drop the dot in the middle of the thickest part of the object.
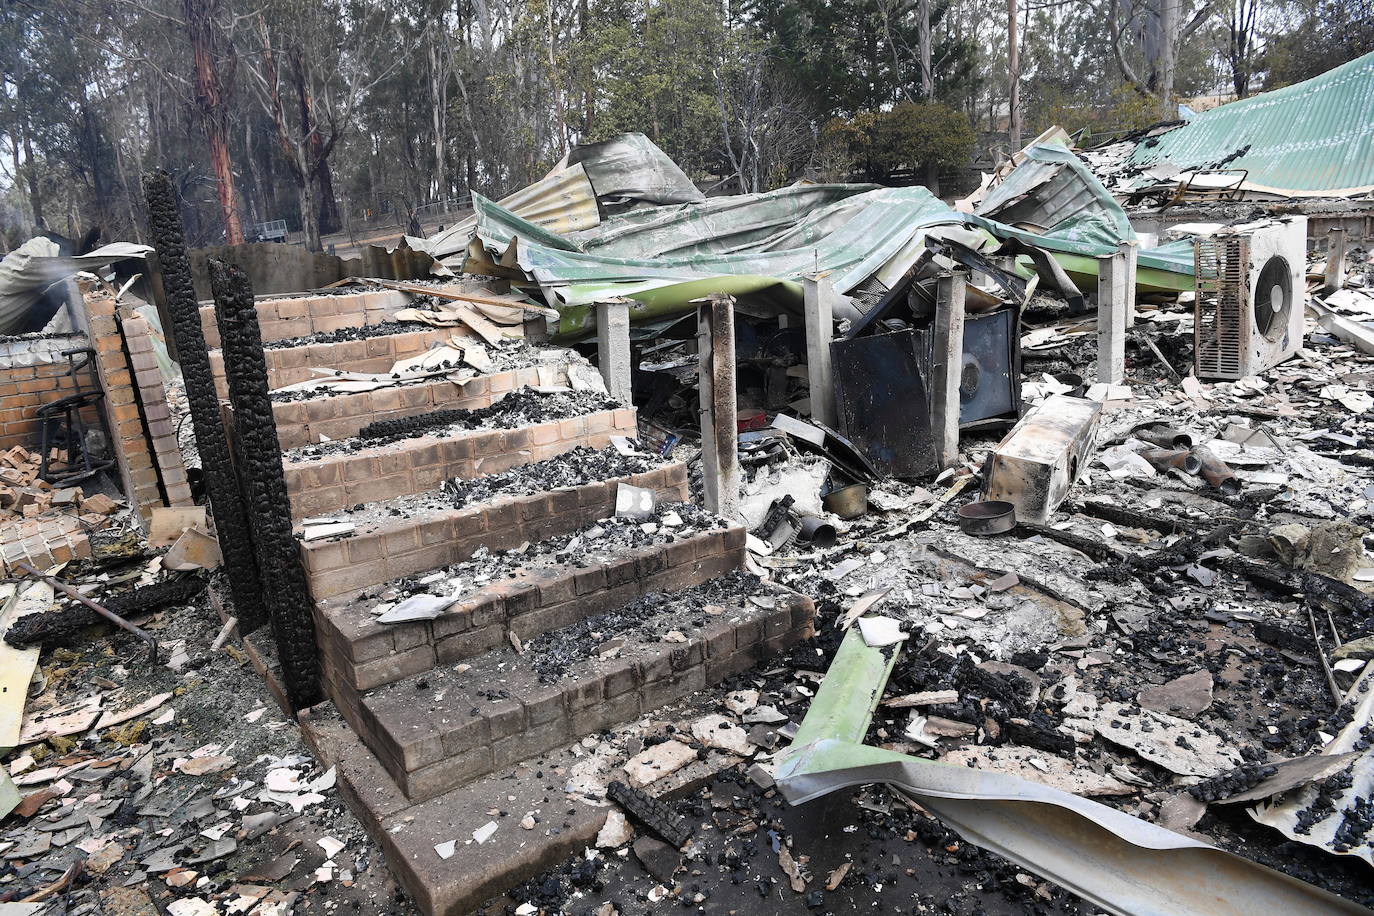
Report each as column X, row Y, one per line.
column 264, row 484
column 221, row 484
column 1118, row 862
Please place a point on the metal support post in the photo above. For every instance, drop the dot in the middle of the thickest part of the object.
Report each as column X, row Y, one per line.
column 719, row 426
column 613, row 347
column 819, row 301
column 947, row 366
column 1112, row 309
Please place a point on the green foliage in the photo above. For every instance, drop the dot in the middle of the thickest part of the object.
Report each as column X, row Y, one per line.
column 911, row 135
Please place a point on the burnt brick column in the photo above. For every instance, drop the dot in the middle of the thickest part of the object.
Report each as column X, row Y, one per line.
column 264, row 484
column 221, row 485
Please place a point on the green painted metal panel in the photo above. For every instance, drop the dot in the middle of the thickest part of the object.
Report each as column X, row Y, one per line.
column 1313, row 138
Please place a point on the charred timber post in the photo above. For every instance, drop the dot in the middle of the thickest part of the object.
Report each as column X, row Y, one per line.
column 1335, row 260
column 819, row 307
column 719, row 425
column 1113, row 314
column 613, row 347
column 264, row 484
column 221, row 484
column 947, row 366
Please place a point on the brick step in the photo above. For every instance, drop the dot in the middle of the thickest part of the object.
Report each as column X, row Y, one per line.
column 408, row 832
column 359, row 654
column 409, row 466
column 281, row 317
column 289, row 365
column 420, row 538
column 341, row 416
column 439, row 730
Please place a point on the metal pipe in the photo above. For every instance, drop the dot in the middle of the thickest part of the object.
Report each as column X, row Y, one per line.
column 1217, row 473
column 108, row 614
column 817, row 531
column 1163, row 436
column 1163, row 459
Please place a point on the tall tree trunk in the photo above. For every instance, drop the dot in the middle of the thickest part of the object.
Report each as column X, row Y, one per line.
column 923, row 41
column 214, row 116
column 1169, row 28
column 1013, row 79
column 329, row 204
column 438, row 104
column 31, row 173
column 310, row 213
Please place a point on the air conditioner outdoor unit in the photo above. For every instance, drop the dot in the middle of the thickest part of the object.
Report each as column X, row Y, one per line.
column 1251, row 289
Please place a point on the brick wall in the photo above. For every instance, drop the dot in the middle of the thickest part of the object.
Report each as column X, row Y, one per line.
column 410, row 545
column 415, row 465
column 32, row 373
column 341, row 416
column 140, row 479
column 157, row 416
column 298, row 316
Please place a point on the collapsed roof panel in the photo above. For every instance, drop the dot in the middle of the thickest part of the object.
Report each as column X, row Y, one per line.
column 630, row 168
column 1311, row 139
column 563, row 201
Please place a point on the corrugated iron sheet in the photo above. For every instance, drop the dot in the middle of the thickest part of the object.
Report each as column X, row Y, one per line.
column 1311, row 139
column 562, row 201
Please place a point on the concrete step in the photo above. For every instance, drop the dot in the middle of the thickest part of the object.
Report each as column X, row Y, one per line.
column 350, row 472
column 526, row 596
column 442, row 729
column 341, row 416
column 415, row 534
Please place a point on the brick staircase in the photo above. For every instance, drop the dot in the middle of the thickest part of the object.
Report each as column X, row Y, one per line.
column 427, row 719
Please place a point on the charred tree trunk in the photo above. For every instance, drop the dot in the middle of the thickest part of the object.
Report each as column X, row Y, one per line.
column 259, row 453
column 214, row 115
column 221, row 485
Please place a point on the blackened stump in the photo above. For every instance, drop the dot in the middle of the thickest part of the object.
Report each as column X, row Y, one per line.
column 221, row 485
column 264, row 484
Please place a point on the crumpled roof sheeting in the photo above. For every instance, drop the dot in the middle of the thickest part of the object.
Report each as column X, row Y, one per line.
column 1311, row 139
column 879, row 223
column 630, row 168
column 1054, row 191
column 27, row 272
column 562, row 200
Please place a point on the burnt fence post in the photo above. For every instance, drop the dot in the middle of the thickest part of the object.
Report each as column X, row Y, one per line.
column 221, row 484
column 264, row 485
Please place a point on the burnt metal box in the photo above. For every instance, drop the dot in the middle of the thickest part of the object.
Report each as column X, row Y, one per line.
column 1035, row 464
column 990, row 377
column 883, row 403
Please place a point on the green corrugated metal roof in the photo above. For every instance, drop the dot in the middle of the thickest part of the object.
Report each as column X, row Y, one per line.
column 1314, row 138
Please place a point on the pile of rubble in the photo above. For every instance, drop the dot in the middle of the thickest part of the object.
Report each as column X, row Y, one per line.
column 40, row 524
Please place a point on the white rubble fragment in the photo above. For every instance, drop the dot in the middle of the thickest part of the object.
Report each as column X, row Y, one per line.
column 658, row 761
column 616, row 832
column 881, row 631
column 741, row 701
column 721, row 733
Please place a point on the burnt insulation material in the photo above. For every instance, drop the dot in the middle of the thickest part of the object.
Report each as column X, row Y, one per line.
column 62, row 624
column 221, row 485
column 264, row 484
